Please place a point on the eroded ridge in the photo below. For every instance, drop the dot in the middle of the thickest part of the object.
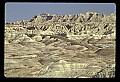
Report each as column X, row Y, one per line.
column 56, row 46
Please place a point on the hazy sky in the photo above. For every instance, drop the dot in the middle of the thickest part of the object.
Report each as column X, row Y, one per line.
column 25, row 11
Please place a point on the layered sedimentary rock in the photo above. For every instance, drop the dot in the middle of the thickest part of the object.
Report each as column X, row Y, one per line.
column 69, row 46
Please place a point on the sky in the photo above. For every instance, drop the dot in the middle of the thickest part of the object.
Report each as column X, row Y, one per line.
column 25, row 11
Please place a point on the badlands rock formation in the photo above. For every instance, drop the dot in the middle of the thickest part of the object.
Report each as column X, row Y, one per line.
column 56, row 46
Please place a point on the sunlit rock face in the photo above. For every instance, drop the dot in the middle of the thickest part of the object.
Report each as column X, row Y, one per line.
column 56, row 46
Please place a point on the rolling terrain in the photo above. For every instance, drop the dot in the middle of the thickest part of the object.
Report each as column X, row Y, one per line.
column 56, row 46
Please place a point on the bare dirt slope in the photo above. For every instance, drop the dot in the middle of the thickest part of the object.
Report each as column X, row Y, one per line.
column 55, row 46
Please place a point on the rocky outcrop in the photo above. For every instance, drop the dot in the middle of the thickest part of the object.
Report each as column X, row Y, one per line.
column 77, row 24
column 69, row 46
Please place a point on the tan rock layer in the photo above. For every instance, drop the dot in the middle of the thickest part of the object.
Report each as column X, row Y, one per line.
column 69, row 46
